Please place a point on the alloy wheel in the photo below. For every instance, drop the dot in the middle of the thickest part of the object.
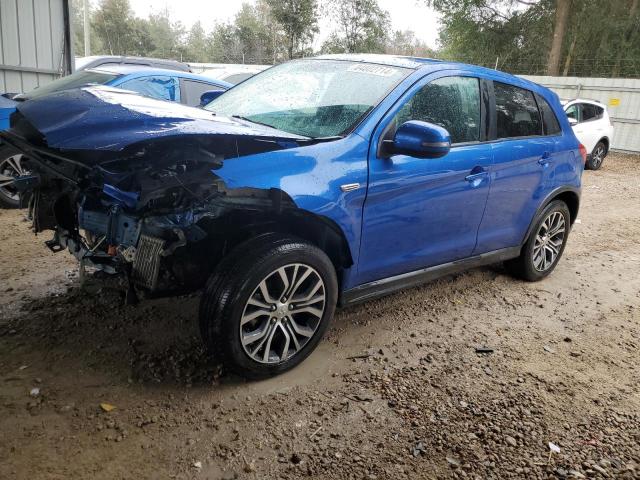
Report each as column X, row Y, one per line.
column 548, row 242
column 10, row 168
column 283, row 313
column 597, row 156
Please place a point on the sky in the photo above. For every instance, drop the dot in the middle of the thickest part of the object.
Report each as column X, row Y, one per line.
column 405, row 15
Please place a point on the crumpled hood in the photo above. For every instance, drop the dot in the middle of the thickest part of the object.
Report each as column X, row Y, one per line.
column 109, row 119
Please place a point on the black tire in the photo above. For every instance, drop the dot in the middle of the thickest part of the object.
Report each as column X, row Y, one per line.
column 524, row 266
column 9, row 197
column 595, row 160
column 236, row 280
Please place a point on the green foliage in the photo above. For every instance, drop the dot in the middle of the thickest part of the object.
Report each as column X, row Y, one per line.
column 362, row 26
column 117, row 29
column 299, row 23
column 405, row 43
column 600, row 40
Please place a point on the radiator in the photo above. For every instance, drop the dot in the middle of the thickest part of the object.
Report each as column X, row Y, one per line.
column 146, row 265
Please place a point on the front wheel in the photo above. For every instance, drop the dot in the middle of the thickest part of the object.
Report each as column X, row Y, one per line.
column 545, row 245
column 12, row 165
column 268, row 304
column 597, row 156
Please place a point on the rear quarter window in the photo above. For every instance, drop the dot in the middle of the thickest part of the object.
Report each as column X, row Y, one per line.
column 516, row 111
column 550, row 124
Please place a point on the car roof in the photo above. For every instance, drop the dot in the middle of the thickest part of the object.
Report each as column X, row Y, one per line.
column 108, row 60
column 135, row 71
column 582, row 100
column 419, row 63
column 380, row 59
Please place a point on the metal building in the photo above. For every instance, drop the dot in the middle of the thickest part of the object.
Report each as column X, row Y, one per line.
column 620, row 95
column 35, row 43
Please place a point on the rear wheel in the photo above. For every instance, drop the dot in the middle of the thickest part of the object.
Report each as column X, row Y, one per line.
column 545, row 245
column 268, row 304
column 11, row 166
column 596, row 158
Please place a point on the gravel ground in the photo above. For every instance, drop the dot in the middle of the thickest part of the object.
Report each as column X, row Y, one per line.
column 470, row 376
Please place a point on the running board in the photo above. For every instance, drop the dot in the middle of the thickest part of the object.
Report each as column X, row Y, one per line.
column 386, row 286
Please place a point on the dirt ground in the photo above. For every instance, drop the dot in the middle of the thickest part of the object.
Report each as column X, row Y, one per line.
column 397, row 389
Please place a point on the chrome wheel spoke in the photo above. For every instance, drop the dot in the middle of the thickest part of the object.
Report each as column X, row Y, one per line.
column 312, row 310
column 294, row 337
column 548, row 241
column 269, row 338
column 287, row 341
column 265, row 292
column 255, row 336
column 304, row 331
column 5, row 180
column 285, row 280
column 15, row 164
column 247, row 317
column 283, row 313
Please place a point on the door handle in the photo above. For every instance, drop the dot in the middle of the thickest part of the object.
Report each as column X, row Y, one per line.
column 544, row 160
column 474, row 177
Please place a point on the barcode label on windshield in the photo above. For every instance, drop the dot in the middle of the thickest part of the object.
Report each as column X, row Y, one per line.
column 379, row 70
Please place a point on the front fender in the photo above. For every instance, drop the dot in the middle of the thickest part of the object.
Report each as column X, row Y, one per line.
column 312, row 176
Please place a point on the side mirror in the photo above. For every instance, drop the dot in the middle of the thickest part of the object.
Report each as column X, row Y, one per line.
column 207, row 97
column 572, row 121
column 420, row 139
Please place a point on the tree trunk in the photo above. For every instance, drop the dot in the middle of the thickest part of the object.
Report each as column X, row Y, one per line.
column 567, row 62
column 559, row 29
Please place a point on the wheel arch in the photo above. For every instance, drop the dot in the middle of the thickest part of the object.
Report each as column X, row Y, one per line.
column 239, row 225
column 570, row 196
column 606, row 142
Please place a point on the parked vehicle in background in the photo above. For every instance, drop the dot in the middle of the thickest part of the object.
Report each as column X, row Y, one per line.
column 172, row 85
column 322, row 181
column 591, row 124
column 85, row 63
column 232, row 73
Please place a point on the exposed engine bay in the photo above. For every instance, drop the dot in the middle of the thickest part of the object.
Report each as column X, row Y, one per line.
column 153, row 212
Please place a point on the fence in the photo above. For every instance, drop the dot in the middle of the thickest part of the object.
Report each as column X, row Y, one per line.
column 620, row 95
column 35, row 43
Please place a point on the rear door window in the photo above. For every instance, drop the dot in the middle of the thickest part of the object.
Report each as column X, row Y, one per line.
column 516, row 111
column 155, row 86
column 550, row 123
column 193, row 90
column 591, row 112
column 450, row 102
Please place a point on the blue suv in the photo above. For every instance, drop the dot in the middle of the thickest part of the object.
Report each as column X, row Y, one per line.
column 319, row 182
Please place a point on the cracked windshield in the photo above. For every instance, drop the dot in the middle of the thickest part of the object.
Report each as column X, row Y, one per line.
column 313, row 98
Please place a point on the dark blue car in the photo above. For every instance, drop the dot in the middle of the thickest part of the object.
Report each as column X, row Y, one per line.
column 176, row 86
column 319, row 182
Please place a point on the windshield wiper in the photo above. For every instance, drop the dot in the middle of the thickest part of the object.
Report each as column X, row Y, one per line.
column 240, row 117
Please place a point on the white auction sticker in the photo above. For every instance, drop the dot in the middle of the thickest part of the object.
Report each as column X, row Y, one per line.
column 379, row 70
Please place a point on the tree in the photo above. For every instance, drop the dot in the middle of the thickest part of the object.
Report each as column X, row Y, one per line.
column 559, row 29
column 113, row 23
column 520, row 35
column 362, row 27
column 196, row 48
column 167, row 37
column 406, row 43
column 298, row 20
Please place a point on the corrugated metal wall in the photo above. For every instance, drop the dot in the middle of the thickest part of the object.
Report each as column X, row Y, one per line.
column 34, row 43
column 620, row 95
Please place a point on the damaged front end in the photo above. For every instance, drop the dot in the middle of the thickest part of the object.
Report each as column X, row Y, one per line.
column 153, row 210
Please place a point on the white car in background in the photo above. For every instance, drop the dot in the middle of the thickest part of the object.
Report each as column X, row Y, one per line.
column 590, row 122
column 229, row 72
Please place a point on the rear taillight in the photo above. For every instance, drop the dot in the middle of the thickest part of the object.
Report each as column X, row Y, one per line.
column 583, row 152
